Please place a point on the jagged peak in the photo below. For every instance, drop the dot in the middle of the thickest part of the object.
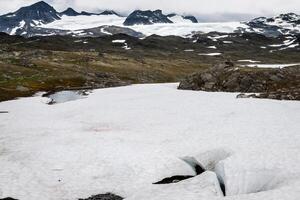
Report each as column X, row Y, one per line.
column 109, row 12
column 70, row 12
column 40, row 4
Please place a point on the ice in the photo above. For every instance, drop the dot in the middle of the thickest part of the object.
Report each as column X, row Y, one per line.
column 204, row 186
column 212, row 47
column 181, row 27
column 209, row 54
column 65, row 96
column 84, row 22
column 118, row 41
column 257, row 174
column 189, row 50
column 249, row 60
column 121, row 140
column 220, row 36
column 126, row 47
column 271, row 65
column 179, row 19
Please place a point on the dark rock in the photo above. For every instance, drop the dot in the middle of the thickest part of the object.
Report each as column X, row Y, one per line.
column 173, row 179
column 146, row 18
column 191, row 18
column 8, row 198
column 270, row 83
column 109, row 12
column 107, row 196
column 188, row 17
column 87, row 13
column 70, row 12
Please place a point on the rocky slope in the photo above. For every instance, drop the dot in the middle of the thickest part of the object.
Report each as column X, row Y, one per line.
column 146, row 18
column 47, row 63
column 269, row 83
column 70, row 12
column 284, row 24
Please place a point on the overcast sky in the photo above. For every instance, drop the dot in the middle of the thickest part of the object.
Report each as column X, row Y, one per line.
column 238, row 9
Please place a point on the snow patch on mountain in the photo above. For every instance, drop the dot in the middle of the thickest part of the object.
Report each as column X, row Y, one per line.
column 179, row 19
column 21, row 25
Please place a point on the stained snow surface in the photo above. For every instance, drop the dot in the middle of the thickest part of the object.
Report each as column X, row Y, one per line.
column 121, row 140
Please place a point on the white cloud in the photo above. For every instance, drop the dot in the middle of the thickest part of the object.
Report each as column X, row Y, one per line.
column 196, row 7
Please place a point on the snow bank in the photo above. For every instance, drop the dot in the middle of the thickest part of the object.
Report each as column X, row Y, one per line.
column 121, row 140
column 260, row 173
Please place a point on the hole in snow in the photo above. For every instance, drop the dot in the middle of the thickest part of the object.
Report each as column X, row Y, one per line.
column 200, row 163
column 175, row 179
column 197, row 167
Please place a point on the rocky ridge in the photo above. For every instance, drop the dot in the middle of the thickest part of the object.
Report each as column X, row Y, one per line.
column 281, row 84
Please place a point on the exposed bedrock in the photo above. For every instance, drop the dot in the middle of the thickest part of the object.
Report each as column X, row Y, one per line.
column 275, row 83
column 107, row 196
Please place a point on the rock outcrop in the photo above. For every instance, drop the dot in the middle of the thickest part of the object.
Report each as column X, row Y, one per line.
column 266, row 83
column 148, row 17
column 107, row 196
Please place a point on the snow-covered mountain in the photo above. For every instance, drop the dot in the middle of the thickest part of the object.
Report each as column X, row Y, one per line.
column 26, row 17
column 148, row 17
column 28, row 21
column 43, row 20
column 179, row 18
column 283, row 24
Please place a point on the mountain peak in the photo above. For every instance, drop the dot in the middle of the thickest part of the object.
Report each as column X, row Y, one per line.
column 70, row 12
column 146, row 17
column 109, row 12
column 28, row 16
column 39, row 5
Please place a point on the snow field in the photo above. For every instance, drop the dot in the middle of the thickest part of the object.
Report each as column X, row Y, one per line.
column 121, row 140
